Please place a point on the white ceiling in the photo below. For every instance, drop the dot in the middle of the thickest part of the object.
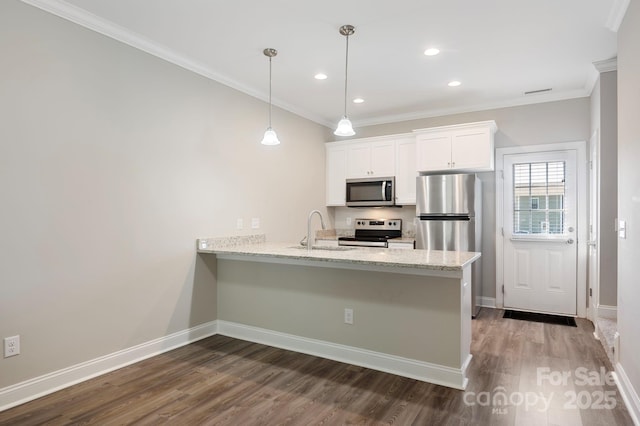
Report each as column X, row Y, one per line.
column 498, row 49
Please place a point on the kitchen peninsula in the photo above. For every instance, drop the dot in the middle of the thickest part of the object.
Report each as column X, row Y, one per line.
column 410, row 310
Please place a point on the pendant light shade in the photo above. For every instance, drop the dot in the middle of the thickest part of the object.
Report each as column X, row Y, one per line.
column 270, row 137
column 344, row 126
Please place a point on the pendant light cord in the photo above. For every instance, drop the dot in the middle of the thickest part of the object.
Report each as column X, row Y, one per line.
column 346, row 68
column 270, row 91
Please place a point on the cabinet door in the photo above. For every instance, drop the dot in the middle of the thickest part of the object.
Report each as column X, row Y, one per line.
column 336, row 171
column 359, row 160
column 433, row 151
column 383, row 158
column 406, row 171
column 472, row 149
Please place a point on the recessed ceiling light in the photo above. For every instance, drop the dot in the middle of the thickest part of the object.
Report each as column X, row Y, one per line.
column 454, row 83
column 320, row 76
column 432, row 51
column 358, row 100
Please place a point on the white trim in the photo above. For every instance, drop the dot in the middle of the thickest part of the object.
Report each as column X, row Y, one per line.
column 40, row 386
column 616, row 15
column 608, row 312
column 487, row 302
column 582, row 215
column 629, row 395
column 414, row 369
column 521, row 101
column 124, row 35
column 607, row 65
column 594, row 173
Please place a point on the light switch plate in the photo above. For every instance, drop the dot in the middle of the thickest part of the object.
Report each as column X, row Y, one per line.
column 239, row 223
column 255, row 223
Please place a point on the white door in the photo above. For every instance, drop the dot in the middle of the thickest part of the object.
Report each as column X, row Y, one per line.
column 540, row 251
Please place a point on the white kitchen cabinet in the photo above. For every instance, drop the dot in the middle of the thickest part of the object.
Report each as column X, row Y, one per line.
column 466, row 147
column 336, row 175
column 371, row 159
column 406, row 171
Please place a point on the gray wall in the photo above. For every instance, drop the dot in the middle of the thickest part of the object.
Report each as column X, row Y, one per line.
column 553, row 122
column 629, row 193
column 112, row 163
column 309, row 301
column 604, row 118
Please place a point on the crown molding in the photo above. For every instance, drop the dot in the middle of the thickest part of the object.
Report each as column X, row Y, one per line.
column 607, row 65
column 112, row 30
column 616, row 15
column 522, row 101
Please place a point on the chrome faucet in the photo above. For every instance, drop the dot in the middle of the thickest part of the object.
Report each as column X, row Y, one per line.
column 309, row 244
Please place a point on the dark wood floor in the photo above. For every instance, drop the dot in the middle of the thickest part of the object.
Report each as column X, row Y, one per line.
column 226, row 381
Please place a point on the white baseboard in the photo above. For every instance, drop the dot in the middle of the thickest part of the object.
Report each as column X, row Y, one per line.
column 487, row 302
column 629, row 394
column 40, row 386
column 419, row 370
column 608, row 312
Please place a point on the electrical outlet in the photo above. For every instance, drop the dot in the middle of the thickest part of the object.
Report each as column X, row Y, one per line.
column 11, row 346
column 348, row 221
column 255, row 223
column 348, row 316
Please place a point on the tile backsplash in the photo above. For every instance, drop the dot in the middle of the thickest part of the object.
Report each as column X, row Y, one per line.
column 344, row 218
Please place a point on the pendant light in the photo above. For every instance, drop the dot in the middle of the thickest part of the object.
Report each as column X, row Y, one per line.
column 345, row 128
column 270, row 137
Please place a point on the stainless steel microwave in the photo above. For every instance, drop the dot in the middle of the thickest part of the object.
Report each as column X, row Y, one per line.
column 371, row 192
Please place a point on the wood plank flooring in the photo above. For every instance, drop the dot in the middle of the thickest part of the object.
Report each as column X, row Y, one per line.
column 225, row 381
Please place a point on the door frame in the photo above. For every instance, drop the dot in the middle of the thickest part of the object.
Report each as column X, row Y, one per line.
column 582, row 215
column 594, row 209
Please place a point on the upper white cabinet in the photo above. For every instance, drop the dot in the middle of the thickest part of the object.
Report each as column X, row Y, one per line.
column 464, row 147
column 406, row 171
column 336, row 174
column 371, row 159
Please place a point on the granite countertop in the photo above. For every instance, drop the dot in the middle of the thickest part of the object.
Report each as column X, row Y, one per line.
column 256, row 246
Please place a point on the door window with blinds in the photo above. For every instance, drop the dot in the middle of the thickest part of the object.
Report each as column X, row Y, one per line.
column 539, row 198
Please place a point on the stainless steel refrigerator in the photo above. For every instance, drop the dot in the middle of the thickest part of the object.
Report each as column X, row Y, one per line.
column 449, row 212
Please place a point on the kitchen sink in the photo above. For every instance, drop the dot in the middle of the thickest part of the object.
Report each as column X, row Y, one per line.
column 327, row 248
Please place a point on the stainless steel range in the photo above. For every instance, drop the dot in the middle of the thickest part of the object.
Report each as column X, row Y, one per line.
column 373, row 233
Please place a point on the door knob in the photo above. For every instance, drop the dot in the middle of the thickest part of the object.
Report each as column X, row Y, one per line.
column 570, row 241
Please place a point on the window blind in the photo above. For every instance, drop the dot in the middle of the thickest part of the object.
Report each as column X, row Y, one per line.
column 539, row 198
